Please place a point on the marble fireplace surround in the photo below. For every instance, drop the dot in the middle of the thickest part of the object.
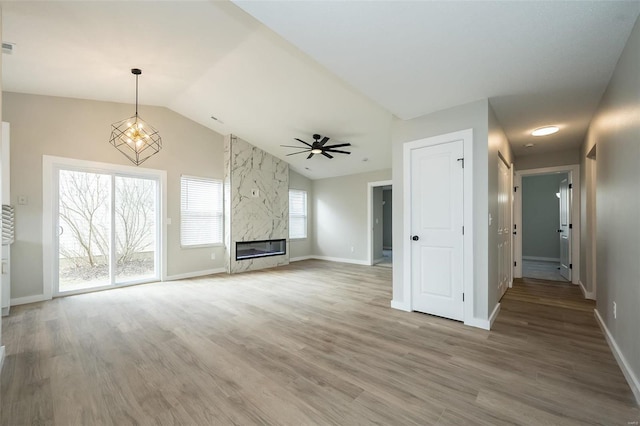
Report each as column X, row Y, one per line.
column 256, row 203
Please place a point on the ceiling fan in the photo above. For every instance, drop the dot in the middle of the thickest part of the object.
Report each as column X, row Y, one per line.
column 319, row 147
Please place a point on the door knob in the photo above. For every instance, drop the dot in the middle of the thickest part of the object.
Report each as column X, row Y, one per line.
column 415, row 238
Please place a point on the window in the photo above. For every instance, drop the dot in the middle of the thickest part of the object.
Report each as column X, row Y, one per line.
column 201, row 217
column 297, row 213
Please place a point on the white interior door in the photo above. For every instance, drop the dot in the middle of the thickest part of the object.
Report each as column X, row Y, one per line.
column 504, row 227
column 565, row 230
column 436, row 227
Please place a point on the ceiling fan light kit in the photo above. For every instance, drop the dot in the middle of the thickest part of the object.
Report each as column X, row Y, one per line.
column 318, row 147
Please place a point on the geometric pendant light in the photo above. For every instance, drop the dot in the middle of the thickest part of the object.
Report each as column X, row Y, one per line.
column 133, row 137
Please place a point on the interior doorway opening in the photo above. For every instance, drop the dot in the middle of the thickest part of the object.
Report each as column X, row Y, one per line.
column 547, row 224
column 544, row 226
column 380, row 221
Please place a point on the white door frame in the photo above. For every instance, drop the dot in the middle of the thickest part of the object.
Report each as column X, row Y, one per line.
column 574, row 178
column 467, row 251
column 512, row 203
column 370, row 187
column 50, row 164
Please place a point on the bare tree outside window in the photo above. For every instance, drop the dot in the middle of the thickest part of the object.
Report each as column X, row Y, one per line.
column 85, row 228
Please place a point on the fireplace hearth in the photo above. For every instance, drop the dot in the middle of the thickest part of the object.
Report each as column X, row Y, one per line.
column 263, row 248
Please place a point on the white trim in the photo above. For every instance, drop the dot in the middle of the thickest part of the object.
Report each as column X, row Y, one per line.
column 195, row 274
column 494, row 315
column 633, row 381
column 542, row 259
column 468, row 213
column 49, row 191
column 342, row 260
column 585, row 293
column 299, row 258
column 2, row 352
column 29, row 299
column 478, row 323
column 400, row 306
column 370, row 186
column 574, row 178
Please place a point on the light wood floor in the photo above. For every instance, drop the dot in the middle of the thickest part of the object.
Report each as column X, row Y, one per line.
column 311, row 343
column 542, row 270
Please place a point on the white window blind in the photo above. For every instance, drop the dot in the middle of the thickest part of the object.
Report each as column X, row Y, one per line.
column 297, row 213
column 201, row 214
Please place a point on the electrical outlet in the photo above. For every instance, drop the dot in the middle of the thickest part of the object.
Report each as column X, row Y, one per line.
column 353, row 249
column 213, row 256
column 615, row 311
column 168, row 221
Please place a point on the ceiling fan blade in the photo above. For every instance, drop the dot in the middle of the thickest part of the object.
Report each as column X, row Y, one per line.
column 292, row 146
column 324, row 140
column 337, row 150
column 300, row 140
column 340, row 145
column 299, row 152
column 327, row 155
column 310, row 155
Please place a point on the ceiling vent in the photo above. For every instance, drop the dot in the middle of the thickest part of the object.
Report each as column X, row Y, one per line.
column 8, row 48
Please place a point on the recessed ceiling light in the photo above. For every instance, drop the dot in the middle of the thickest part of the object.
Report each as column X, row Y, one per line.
column 529, row 145
column 544, row 131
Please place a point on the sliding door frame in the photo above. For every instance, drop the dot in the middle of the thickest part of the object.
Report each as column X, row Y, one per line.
column 50, row 187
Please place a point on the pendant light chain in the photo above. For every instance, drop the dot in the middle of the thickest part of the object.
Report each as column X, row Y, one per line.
column 137, row 75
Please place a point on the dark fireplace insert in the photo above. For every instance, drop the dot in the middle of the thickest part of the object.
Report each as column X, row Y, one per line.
column 262, row 248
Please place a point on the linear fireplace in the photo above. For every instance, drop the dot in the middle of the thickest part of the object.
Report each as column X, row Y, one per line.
column 263, row 248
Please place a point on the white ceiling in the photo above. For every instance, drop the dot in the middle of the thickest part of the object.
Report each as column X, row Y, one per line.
column 336, row 68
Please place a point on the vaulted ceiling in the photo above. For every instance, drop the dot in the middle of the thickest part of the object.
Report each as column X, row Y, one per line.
column 273, row 71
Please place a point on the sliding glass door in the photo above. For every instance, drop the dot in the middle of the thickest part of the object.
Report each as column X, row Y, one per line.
column 108, row 230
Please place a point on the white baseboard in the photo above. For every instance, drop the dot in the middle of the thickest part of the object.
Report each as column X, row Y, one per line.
column 400, row 306
column 585, row 293
column 299, row 258
column 542, row 259
column 478, row 323
column 195, row 274
column 342, row 260
column 28, row 299
column 632, row 379
column 494, row 315
column 1, row 357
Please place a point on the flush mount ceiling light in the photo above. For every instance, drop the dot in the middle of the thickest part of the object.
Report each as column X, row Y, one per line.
column 132, row 136
column 544, row 131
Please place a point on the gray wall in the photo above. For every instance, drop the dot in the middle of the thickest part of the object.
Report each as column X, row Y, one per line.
column 537, row 161
column 378, row 221
column 470, row 116
column 541, row 215
column 387, row 218
column 302, row 247
column 340, row 212
column 80, row 129
column 615, row 129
